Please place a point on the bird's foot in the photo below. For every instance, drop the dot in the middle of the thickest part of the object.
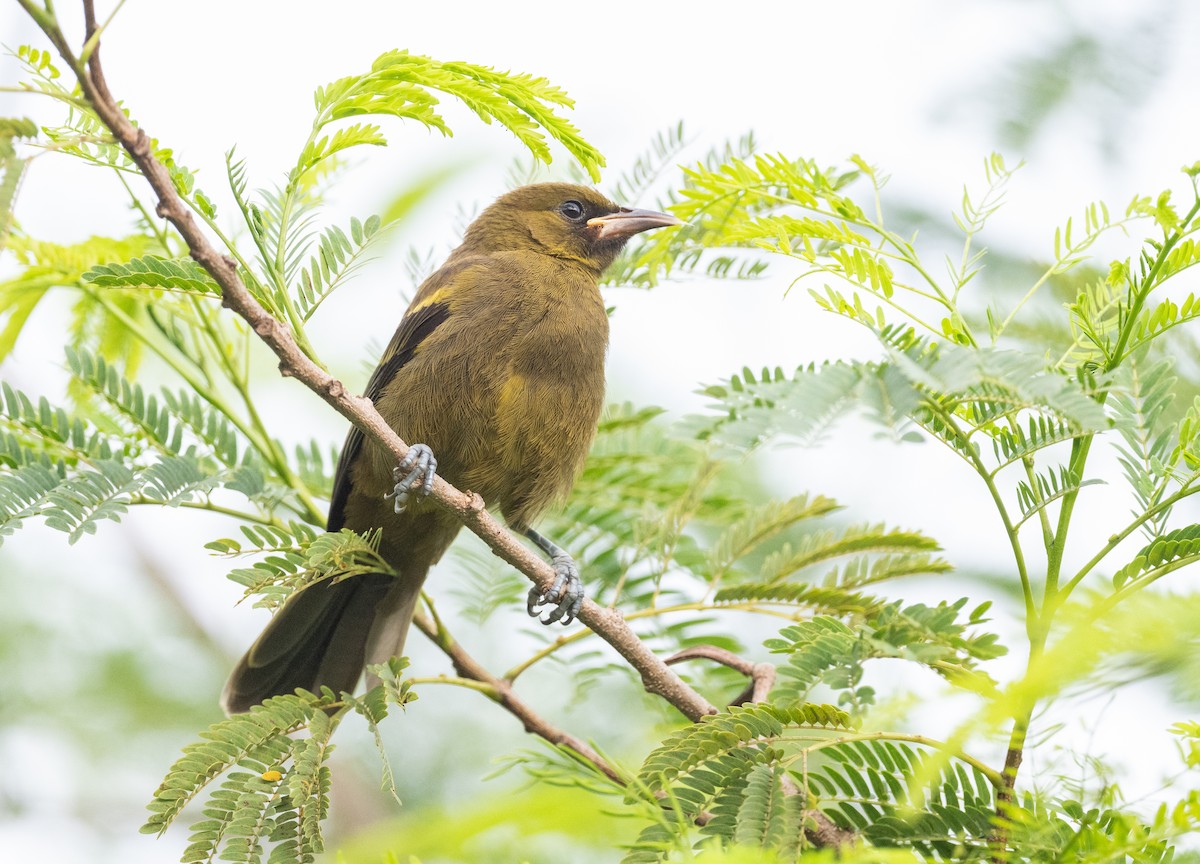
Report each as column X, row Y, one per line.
column 566, row 593
column 413, row 476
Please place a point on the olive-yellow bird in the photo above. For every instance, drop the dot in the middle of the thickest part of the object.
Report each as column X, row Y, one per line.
column 497, row 370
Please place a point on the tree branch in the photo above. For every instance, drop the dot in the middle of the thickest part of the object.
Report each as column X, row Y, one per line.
column 502, row 692
column 761, row 675
column 469, row 507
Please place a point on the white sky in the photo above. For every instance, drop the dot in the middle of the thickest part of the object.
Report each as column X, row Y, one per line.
column 895, row 82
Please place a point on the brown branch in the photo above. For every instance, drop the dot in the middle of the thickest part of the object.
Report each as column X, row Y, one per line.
column 761, row 675
column 609, row 624
column 469, row 507
column 1006, row 794
column 502, row 691
column 820, row 830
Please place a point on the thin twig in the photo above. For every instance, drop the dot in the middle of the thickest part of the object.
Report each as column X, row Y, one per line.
column 819, row 828
column 502, row 692
column 761, row 675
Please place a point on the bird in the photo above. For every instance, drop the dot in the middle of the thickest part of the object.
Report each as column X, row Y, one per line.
column 496, row 370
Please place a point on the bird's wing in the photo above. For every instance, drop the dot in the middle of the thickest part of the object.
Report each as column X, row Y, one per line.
column 428, row 312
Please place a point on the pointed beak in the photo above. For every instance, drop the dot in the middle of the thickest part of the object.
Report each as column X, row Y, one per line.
column 625, row 223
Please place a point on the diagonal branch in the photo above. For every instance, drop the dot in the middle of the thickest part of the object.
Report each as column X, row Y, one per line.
column 502, row 691
column 469, row 507
column 609, row 624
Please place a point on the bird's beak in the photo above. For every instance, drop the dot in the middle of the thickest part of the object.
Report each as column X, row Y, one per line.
column 625, row 223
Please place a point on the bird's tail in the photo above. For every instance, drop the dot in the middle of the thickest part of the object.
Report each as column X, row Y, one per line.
column 323, row 636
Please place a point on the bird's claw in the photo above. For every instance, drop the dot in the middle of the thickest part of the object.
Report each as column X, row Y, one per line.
column 566, row 593
column 414, row 475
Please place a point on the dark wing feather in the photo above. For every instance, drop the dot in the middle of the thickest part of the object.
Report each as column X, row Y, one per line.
column 414, row 328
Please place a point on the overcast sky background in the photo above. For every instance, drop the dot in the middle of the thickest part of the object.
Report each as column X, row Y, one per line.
column 923, row 89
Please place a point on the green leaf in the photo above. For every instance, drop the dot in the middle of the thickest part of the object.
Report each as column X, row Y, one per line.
column 1171, row 549
column 175, row 274
column 256, row 740
column 399, row 84
column 337, row 258
column 746, row 535
column 732, row 742
column 826, row 650
column 301, row 558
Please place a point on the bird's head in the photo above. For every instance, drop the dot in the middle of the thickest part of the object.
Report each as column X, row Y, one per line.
column 560, row 219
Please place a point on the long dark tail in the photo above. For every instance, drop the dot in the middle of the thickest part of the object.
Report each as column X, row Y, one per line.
column 324, row 635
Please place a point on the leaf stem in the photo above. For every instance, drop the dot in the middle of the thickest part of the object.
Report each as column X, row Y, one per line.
column 1060, row 266
column 90, row 45
column 971, row 455
column 1116, row 539
column 240, row 515
column 1147, row 285
column 469, row 683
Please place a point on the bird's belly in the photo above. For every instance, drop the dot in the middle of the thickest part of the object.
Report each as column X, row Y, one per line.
column 546, row 410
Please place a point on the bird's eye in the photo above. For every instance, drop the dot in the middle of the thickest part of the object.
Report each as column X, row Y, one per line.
column 573, row 210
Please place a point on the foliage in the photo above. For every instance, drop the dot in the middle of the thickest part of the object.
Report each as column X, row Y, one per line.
column 281, row 795
column 1024, row 424
column 670, row 526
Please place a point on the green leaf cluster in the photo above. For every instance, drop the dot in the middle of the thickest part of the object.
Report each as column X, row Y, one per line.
column 296, row 557
column 828, row 651
column 274, row 775
column 756, row 776
column 1025, row 421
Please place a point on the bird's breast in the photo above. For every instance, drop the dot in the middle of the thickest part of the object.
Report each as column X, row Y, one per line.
column 549, row 400
column 507, row 390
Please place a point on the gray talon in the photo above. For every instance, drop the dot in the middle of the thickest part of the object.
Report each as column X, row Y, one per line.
column 566, row 593
column 533, row 601
column 420, row 464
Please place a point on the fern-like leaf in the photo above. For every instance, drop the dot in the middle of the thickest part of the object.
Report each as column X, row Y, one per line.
column 825, row 650
column 1047, row 487
column 823, row 599
column 864, row 786
column 12, row 167
column 22, row 492
column 337, row 257
column 310, row 558
column 87, row 496
column 399, row 85
column 751, row 409
column 1139, row 402
column 308, row 783
column 821, row 547
column 1170, row 550
column 758, row 526
column 743, row 736
column 257, row 739
column 649, row 166
column 176, row 274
